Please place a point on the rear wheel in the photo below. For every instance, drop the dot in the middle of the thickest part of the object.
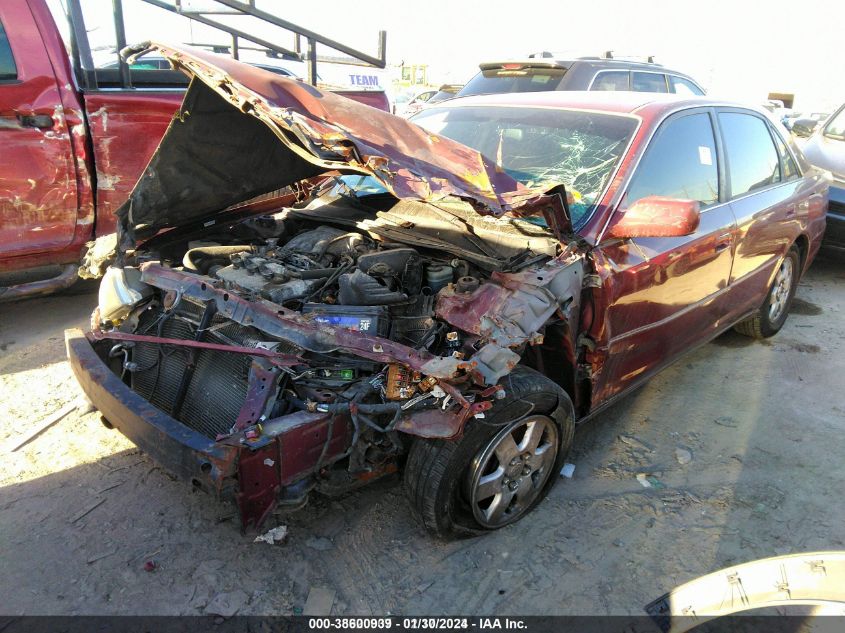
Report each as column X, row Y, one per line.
column 503, row 465
column 771, row 316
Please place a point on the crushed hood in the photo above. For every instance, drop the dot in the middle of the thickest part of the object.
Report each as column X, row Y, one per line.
column 242, row 131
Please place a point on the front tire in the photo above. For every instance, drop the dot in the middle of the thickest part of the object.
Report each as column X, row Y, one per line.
column 770, row 317
column 501, row 468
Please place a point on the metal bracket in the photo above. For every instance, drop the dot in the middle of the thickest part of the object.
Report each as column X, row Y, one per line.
column 591, row 281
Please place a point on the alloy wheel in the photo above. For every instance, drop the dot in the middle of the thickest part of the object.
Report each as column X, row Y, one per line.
column 779, row 295
column 510, row 472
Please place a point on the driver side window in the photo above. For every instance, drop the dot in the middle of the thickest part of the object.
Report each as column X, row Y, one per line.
column 680, row 163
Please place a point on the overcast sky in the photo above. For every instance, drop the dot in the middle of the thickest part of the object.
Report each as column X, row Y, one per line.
column 734, row 48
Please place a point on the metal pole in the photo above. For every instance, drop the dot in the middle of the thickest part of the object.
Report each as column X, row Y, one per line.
column 235, row 51
column 120, row 37
column 369, row 60
column 80, row 39
column 222, row 27
column 312, row 61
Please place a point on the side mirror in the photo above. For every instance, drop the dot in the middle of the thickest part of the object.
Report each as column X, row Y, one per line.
column 804, row 127
column 655, row 216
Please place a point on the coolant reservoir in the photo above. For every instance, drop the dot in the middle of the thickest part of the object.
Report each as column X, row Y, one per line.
column 121, row 290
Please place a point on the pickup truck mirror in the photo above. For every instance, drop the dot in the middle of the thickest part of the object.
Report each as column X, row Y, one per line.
column 655, row 216
column 804, row 127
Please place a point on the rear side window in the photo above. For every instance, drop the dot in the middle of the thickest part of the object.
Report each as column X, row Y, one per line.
column 752, row 159
column 503, row 80
column 612, row 80
column 8, row 69
column 788, row 166
column 648, row 82
column 681, row 86
column 679, row 163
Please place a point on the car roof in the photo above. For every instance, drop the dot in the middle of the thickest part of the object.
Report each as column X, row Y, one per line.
column 645, row 104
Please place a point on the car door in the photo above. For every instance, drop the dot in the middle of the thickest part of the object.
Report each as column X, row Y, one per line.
column 766, row 200
column 663, row 295
column 38, row 192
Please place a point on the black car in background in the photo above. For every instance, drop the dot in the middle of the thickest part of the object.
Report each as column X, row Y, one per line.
column 542, row 71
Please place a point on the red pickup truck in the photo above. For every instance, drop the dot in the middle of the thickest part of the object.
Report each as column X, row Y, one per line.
column 73, row 147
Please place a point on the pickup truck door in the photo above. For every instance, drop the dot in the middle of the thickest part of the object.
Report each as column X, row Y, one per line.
column 661, row 296
column 38, row 187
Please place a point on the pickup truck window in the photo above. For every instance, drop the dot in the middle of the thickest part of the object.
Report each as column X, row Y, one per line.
column 679, row 163
column 8, row 69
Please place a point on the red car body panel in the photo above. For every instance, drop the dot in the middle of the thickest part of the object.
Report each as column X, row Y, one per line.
column 46, row 200
column 125, row 128
column 662, row 296
column 66, row 180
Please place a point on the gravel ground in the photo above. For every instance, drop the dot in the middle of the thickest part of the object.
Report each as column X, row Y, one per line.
column 743, row 436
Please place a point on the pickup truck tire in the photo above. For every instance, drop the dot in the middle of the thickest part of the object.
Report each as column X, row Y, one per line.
column 771, row 316
column 449, row 482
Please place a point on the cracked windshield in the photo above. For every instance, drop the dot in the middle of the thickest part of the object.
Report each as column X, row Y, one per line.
column 542, row 147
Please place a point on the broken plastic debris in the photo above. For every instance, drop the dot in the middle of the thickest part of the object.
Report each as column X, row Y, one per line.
column 271, row 537
column 567, row 471
column 150, row 565
column 650, row 481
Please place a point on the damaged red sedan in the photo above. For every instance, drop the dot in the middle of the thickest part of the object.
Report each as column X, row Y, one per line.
column 307, row 294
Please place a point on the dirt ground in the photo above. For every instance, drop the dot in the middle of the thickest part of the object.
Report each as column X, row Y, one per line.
column 758, row 425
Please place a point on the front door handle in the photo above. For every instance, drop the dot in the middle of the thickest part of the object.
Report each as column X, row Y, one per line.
column 723, row 242
column 40, row 121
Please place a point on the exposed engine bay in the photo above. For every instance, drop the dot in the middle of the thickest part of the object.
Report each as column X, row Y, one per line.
column 347, row 328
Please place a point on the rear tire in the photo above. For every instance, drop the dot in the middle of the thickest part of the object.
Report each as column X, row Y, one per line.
column 460, row 487
column 771, row 316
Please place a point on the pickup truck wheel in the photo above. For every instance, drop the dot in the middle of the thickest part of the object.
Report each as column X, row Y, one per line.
column 771, row 316
column 501, row 468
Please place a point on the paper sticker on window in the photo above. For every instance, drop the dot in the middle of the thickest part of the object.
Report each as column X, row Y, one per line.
column 704, row 156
